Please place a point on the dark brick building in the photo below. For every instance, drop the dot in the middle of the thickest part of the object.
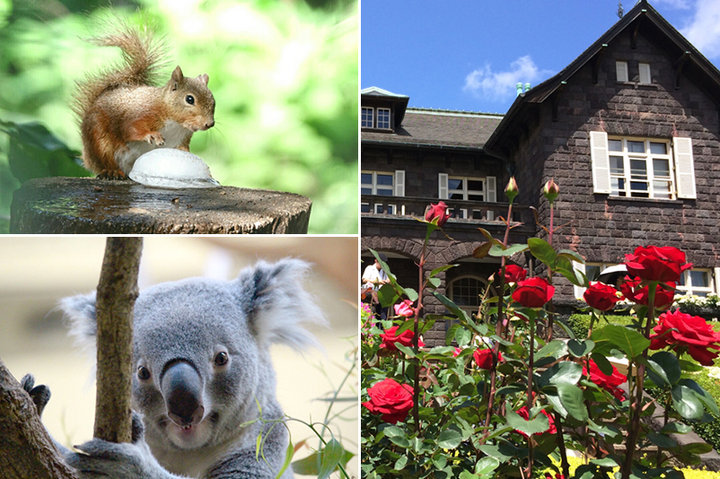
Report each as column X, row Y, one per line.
column 630, row 131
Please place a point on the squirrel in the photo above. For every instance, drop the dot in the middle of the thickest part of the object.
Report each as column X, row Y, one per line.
column 122, row 115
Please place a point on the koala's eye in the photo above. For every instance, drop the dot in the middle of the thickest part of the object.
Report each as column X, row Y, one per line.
column 143, row 373
column 190, row 100
column 221, row 358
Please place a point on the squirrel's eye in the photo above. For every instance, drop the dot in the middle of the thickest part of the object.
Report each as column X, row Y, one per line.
column 143, row 373
column 190, row 100
column 221, row 358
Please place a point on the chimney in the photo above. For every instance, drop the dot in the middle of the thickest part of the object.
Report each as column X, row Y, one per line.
column 519, row 88
column 527, row 87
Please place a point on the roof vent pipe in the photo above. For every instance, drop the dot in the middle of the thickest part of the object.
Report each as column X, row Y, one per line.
column 527, row 87
column 519, row 88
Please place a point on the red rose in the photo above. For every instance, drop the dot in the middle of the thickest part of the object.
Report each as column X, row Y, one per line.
column 523, row 413
column 405, row 338
column 601, row 296
column 681, row 330
column 484, row 358
column 610, row 382
column 438, row 211
column 514, row 273
column 632, row 290
column 404, row 308
column 657, row 263
column 557, row 476
column 391, row 399
column 533, row 292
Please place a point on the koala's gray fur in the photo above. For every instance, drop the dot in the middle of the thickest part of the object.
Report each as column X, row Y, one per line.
column 184, row 327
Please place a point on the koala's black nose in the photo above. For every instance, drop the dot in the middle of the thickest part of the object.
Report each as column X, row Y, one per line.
column 181, row 387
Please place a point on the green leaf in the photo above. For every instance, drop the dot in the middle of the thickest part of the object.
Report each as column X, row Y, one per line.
column 289, row 452
column 330, row 457
column 451, row 306
column 498, row 250
column 702, row 394
column 661, row 440
column 555, row 349
column 501, row 451
column 400, row 463
column 537, row 425
column 664, row 369
column 565, row 267
column 566, row 372
column 489, row 236
column 440, row 269
column 611, row 432
column 603, row 363
column 397, row 436
column 406, row 350
column 686, row 402
column 605, row 462
column 434, row 282
column 628, row 341
column 542, row 250
column 580, row 348
column 449, row 439
column 571, row 255
column 482, row 250
column 676, row 428
column 411, row 294
column 387, row 295
column 486, row 466
column 571, row 397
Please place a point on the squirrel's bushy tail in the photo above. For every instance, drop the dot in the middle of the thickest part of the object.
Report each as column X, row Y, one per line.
column 143, row 56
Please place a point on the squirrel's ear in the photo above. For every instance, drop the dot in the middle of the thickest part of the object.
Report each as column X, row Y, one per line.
column 177, row 77
column 276, row 303
column 204, row 78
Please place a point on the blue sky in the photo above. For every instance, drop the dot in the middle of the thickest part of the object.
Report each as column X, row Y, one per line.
column 469, row 54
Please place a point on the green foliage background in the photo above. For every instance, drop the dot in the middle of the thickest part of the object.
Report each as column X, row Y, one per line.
column 284, row 75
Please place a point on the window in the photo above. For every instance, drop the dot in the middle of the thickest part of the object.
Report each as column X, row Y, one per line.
column 376, row 183
column 642, row 167
column 383, row 118
column 466, row 292
column 466, row 188
column 644, row 73
column 621, row 70
column 366, row 119
column 698, row 282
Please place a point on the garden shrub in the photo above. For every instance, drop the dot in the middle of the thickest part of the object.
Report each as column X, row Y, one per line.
column 579, row 323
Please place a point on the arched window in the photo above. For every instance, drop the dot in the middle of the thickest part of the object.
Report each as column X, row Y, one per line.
column 466, row 292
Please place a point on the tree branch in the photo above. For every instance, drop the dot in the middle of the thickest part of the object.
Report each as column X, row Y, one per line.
column 116, row 294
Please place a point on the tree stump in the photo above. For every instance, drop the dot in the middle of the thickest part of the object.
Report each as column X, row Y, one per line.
column 94, row 206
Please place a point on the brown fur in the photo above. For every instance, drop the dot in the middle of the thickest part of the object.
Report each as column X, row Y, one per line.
column 120, row 106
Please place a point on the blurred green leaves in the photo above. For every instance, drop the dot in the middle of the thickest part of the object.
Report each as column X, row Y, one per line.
column 284, row 75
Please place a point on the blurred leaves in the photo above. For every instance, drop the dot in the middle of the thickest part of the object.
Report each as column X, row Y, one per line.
column 284, row 75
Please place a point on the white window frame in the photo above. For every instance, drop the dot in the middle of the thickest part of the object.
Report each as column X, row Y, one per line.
column 644, row 74
column 621, row 71
column 650, row 177
column 362, row 117
column 389, row 119
column 689, row 289
column 374, row 187
column 465, row 191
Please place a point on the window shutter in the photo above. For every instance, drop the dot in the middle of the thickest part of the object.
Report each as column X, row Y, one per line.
column 621, row 70
column 684, row 168
column 716, row 280
column 399, row 182
column 491, row 186
column 442, row 186
column 578, row 290
column 600, row 162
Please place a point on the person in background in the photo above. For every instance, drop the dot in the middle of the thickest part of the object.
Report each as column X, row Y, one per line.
column 372, row 279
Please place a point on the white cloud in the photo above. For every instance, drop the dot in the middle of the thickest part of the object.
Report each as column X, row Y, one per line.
column 678, row 4
column 501, row 85
column 703, row 30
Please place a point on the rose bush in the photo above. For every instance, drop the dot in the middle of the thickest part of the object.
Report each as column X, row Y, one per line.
column 470, row 417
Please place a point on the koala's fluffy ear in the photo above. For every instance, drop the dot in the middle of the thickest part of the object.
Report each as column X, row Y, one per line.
column 80, row 311
column 277, row 302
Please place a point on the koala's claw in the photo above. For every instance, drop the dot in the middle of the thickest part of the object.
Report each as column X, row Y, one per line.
column 138, row 429
column 40, row 394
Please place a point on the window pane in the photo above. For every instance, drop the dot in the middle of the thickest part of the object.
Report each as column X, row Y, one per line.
column 384, row 192
column 659, row 148
column 661, row 168
column 636, row 146
column 699, row 279
column 366, row 191
column 367, row 115
column 476, row 197
column 365, row 208
column 466, row 291
column 478, row 215
column 618, row 186
column 455, row 184
column 383, row 118
column 615, row 145
column 661, row 189
column 616, row 165
column 638, row 169
column 384, row 179
column 456, row 196
column 366, row 178
column 476, row 185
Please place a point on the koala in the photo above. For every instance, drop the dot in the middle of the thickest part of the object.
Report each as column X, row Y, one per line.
column 204, row 384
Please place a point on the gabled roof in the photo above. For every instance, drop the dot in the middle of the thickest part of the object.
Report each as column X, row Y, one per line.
column 439, row 128
column 674, row 43
column 399, row 102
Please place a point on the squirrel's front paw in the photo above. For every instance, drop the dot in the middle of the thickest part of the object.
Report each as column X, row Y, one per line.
column 155, row 138
column 40, row 394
